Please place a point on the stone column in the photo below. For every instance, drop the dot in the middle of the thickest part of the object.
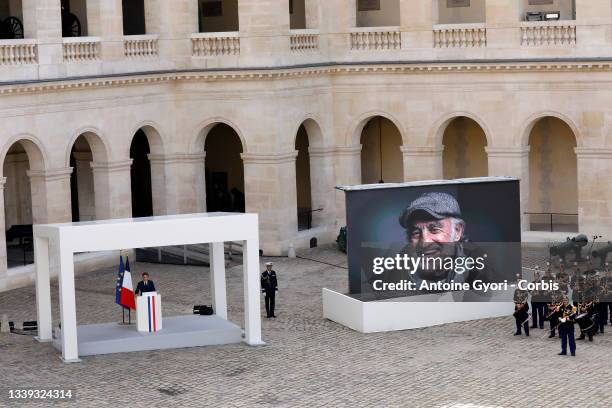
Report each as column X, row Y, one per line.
column 338, row 17
column 503, row 23
column 3, row 264
column 105, row 20
column 184, row 184
column 348, row 173
column 594, row 193
column 269, row 181
column 51, row 199
column 322, row 182
column 42, row 20
column 422, row 162
column 85, row 186
column 113, row 189
column 264, row 31
column 174, row 21
column 417, row 18
column 512, row 162
column 594, row 19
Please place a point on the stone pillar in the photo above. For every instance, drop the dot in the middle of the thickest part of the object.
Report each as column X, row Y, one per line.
column 322, row 182
column 85, row 186
column 184, row 184
column 42, row 20
column 264, row 31
column 113, row 189
column 512, row 162
column 594, row 193
column 313, row 9
column 3, row 264
column 51, row 199
column 348, row 173
column 105, row 20
column 336, row 19
column 269, row 181
column 174, row 21
column 503, row 23
column 593, row 19
column 417, row 18
column 422, row 162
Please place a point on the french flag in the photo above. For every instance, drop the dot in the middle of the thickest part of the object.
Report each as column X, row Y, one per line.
column 126, row 295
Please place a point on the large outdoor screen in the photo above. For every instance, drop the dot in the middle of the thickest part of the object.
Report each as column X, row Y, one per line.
column 447, row 241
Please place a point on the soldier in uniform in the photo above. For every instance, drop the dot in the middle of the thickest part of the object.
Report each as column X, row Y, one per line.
column 538, row 305
column 269, row 286
column 566, row 328
column 521, row 309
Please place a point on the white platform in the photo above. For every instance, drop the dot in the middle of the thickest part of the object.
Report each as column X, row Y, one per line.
column 382, row 316
column 178, row 332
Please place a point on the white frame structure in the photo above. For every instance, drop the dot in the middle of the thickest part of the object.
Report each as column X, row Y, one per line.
column 57, row 243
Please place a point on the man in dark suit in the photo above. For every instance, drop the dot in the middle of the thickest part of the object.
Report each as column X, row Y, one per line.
column 145, row 285
column 269, row 286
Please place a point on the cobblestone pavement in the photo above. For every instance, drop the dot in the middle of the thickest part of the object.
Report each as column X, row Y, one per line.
column 308, row 361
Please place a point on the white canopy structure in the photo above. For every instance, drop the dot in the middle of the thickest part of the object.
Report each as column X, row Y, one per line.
column 60, row 242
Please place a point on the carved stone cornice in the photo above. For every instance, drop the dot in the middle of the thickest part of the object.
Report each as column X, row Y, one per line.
column 510, row 151
column 257, row 74
column 269, row 158
column 348, row 150
column 322, row 151
column 112, row 167
column 177, row 158
column 50, row 174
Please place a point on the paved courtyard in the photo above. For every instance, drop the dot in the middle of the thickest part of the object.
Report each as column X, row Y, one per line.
column 308, row 361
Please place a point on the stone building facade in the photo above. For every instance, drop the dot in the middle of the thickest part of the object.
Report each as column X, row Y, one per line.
column 279, row 101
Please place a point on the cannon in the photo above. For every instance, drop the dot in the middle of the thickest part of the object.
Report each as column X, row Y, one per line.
column 11, row 28
column 602, row 253
column 574, row 245
column 71, row 26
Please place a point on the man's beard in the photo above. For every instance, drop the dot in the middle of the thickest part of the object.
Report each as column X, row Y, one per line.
column 434, row 254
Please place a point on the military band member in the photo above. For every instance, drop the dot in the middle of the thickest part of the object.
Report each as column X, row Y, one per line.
column 566, row 328
column 538, row 305
column 589, row 329
column 521, row 310
column 269, row 286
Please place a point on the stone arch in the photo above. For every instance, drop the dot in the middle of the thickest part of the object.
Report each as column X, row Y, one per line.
column 464, row 155
column 553, row 174
column 204, row 128
column 437, row 133
column 354, row 136
column 37, row 155
column 100, row 148
column 154, row 137
column 531, row 121
column 313, row 129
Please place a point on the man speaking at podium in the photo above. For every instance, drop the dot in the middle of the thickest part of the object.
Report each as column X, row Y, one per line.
column 145, row 285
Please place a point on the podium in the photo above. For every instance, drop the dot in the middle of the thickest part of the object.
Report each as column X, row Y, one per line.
column 148, row 312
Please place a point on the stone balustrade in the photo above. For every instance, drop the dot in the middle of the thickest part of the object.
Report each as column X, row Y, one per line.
column 376, row 38
column 215, row 44
column 460, row 35
column 81, row 49
column 304, row 40
column 548, row 33
column 18, row 52
column 140, row 46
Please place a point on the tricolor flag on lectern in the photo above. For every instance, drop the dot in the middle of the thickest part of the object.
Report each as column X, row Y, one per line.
column 124, row 290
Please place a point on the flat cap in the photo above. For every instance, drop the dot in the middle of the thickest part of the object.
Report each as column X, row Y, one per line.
column 269, row 264
column 438, row 205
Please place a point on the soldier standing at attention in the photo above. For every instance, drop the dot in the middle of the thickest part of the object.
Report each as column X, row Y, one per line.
column 269, row 286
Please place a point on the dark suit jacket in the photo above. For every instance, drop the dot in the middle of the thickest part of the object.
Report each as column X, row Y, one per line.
column 142, row 288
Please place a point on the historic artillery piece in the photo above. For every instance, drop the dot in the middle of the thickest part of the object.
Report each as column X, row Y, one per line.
column 602, row 253
column 11, row 28
column 71, row 26
column 574, row 245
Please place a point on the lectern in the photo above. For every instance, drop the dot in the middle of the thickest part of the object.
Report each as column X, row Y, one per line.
column 148, row 312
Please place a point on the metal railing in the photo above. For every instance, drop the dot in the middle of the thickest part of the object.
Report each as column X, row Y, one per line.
column 550, row 216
